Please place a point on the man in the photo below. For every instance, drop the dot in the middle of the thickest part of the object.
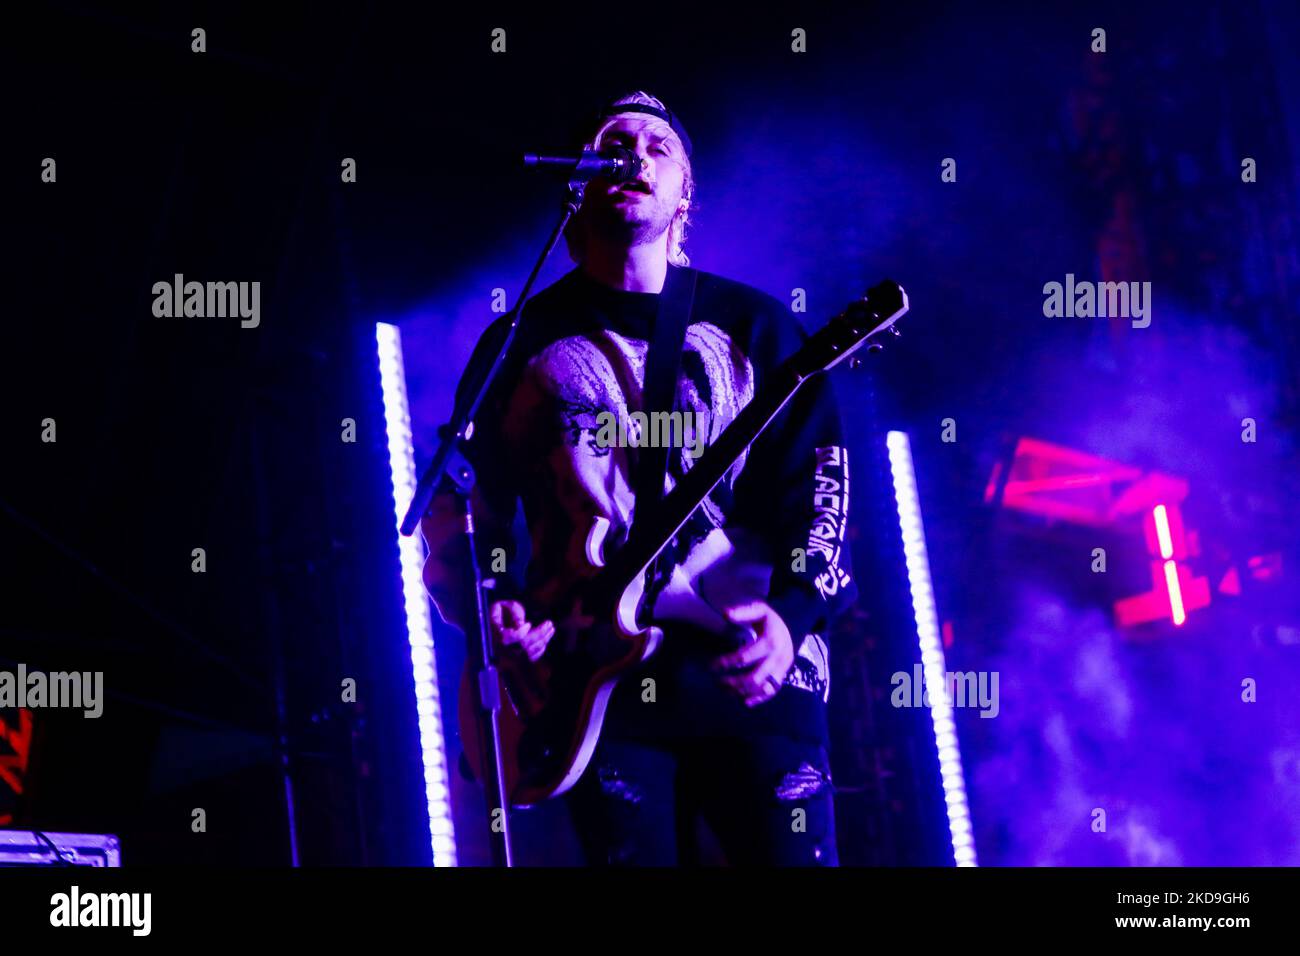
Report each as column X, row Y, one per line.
column 739, row 738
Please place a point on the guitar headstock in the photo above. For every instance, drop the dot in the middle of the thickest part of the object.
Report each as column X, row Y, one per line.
column 863, row 320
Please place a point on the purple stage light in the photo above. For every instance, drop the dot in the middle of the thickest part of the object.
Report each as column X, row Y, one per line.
column 932, row 659
column 419, row 621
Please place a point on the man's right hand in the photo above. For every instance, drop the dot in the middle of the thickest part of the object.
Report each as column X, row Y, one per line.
column 510, row 626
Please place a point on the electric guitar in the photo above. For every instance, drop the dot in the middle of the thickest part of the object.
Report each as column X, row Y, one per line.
column 552, row 709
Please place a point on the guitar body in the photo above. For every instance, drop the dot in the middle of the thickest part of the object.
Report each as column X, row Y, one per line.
column 552, row 710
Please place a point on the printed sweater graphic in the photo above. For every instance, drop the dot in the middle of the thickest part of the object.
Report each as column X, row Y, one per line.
column 580, row 352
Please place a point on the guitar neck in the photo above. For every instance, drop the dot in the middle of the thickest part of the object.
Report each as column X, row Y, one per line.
column 671, row 513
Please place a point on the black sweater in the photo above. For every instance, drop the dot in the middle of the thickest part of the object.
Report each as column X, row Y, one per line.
column 580, row 350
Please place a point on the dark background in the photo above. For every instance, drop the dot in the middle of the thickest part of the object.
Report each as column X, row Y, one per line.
column 817, row 171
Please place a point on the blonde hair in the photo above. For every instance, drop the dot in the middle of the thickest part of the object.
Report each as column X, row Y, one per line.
column 575, row 234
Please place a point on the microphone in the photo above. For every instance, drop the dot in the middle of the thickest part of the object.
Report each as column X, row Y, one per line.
column 618, row 164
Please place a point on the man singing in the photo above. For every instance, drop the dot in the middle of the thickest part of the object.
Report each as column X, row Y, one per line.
column 739, row 738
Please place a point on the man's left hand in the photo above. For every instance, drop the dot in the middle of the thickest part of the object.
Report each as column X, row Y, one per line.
column 763, row 664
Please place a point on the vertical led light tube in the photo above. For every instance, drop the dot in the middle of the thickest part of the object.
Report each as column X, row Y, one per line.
column 1176, row 610
column 932, row 661
column 419, row 621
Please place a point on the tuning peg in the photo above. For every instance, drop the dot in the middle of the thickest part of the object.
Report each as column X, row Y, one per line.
column 893, row 330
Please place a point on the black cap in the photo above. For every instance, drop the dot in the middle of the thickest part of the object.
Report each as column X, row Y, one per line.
column 613, row 108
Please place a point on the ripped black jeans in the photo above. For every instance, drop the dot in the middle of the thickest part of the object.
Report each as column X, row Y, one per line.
column 767, row 798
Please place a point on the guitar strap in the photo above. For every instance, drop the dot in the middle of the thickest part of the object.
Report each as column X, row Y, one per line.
column 663, row 360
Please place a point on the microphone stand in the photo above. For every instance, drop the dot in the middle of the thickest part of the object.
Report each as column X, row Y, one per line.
column 450, row 471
